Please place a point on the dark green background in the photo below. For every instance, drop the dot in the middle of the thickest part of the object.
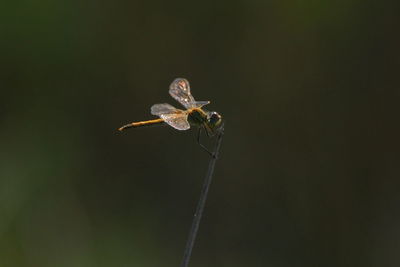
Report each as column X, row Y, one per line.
column 309, row 167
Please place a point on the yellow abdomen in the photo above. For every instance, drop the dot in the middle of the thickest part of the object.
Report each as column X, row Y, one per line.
column 141, row 124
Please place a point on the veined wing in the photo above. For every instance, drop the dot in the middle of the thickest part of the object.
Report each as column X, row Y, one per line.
column 165, row 108
column 199, row 104
column 180, row 91
column 172, row 116
column 178, row 121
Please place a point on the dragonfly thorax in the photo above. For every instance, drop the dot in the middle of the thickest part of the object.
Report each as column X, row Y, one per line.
column 210, row 120
column 197, row 116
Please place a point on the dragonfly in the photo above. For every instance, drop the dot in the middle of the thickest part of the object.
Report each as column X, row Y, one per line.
column 193, row 115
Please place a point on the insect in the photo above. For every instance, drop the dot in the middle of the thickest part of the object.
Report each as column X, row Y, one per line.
column 194, row 115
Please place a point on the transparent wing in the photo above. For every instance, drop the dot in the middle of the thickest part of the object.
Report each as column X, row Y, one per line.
column 165, row 108
column 199, row 104
column 180, row 91
column 172, row 116
column 178, row 121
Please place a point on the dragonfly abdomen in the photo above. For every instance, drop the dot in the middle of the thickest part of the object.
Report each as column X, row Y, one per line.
column 142, row 123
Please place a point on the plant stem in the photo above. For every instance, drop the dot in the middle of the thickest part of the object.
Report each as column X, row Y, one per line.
column 202, row 201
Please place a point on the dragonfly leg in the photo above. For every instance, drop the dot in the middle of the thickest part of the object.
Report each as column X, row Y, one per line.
column 203, row 146
column 208, row 135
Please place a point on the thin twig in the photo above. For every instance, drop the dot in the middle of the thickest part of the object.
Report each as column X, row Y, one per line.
column 202, row 201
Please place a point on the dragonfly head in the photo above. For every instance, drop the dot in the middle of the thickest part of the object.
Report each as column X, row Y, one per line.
column 214, row 121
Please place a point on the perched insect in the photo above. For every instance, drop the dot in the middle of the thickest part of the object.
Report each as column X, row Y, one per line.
column 194, row 115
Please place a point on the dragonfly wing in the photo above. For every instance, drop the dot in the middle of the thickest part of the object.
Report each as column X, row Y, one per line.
column 159, row 109
column 199, row 104
column 180, row 91
column 172, row 116
column 178, row 121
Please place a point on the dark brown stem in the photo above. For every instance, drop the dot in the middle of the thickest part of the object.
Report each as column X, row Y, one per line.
column 202, row 201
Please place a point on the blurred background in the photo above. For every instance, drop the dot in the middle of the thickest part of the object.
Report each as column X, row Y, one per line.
column 309, row 165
